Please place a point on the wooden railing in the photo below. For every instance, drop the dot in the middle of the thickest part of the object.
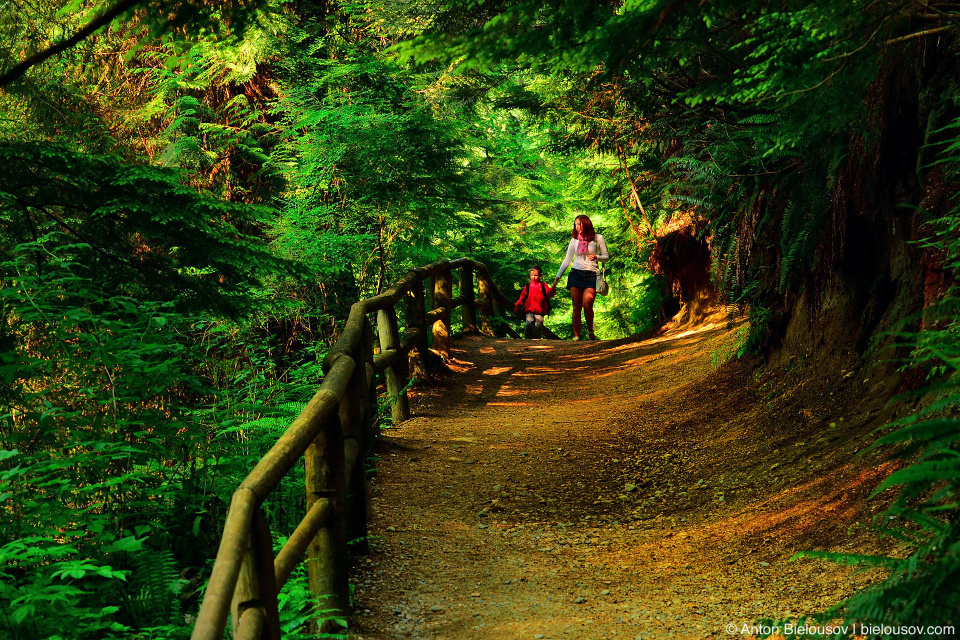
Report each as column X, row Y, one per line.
column 332, row 433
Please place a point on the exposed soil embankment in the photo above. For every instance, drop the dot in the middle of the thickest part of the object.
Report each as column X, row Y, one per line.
column 619, row 489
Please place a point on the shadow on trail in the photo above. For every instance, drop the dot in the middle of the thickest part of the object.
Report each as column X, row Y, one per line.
column 601, row 489
column 504, row 368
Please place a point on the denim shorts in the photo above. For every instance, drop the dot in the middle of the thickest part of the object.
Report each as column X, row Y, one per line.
column 582, row 279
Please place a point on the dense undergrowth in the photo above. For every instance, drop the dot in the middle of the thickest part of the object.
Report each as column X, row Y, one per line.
column 192, row 198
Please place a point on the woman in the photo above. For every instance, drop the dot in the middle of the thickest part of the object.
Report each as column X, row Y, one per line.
column 584, row 253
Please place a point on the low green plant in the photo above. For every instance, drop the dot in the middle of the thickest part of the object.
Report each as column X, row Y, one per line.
column 94, row 436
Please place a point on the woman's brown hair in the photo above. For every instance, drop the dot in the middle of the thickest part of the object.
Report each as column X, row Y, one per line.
column 588, row 232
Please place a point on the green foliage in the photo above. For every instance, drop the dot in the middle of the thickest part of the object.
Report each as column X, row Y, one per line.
column 135, row 228
column 801, row 227
column 91, row 410
column 154, row 583
column 298, row 606
column 33, row 29
column 925, row 516
column 376, row 180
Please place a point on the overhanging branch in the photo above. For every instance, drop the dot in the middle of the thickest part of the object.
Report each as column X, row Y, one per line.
column 91, row 27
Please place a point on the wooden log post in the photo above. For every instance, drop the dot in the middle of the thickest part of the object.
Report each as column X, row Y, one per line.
column 366, row 413
column 395, row 375
column 327, row 554
column 430, row 298
column 442, row 298
column 496, row 307
column 469, row 310
column 486, row 299
column 415, row 313
column 216, row 606
column 256, row 587
column 368, row 394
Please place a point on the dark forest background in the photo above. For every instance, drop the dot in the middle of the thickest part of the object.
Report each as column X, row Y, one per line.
column 192, row 195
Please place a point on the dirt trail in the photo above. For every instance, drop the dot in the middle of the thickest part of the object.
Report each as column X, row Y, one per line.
column 617, row 489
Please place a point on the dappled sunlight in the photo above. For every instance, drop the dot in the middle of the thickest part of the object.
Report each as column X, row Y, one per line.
column 496, row 371
column 509, row 404
column 543, row 369
column 541, row 347
column 627, row 346
column 610, row 371
column 643, row 360
column 581, row 360
column 567, row 367
column 536, row 374
column 789, row 515
column 520, row 392
column 815, row 507
column 670, row 337
column 459, row 366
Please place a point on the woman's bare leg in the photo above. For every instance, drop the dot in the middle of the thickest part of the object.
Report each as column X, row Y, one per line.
column 587, row 301
column 576, row 296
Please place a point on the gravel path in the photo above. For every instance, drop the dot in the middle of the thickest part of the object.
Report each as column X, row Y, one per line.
column 615, row 489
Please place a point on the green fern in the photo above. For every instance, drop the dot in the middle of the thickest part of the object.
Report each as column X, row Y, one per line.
column 155, row 584
column 801, row 228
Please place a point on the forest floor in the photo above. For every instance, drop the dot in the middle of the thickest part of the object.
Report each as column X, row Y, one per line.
column 618, row 489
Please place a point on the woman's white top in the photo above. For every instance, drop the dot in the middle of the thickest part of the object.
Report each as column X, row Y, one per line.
column 596, row 247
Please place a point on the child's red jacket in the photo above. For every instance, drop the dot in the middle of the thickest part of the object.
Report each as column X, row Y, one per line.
column 534, row 299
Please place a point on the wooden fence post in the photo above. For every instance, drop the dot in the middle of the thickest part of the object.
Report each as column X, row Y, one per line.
column 469, row 309
column 431, row 293
column 415, row 313
column 327, row 554
column 396, row 374
column 359, row 496
column 352, row 410
column 368, row 394
column 486, row 299
column 254, row 607
column 442, row 297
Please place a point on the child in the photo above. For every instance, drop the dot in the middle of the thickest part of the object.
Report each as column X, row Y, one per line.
column 535, row 302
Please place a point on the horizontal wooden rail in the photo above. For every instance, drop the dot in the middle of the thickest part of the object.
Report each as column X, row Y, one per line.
column 298, row 542
column 332, row 434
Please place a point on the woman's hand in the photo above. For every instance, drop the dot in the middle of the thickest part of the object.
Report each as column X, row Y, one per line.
column 594, row 257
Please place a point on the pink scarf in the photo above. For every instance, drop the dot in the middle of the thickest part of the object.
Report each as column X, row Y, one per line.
column 582, row 244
